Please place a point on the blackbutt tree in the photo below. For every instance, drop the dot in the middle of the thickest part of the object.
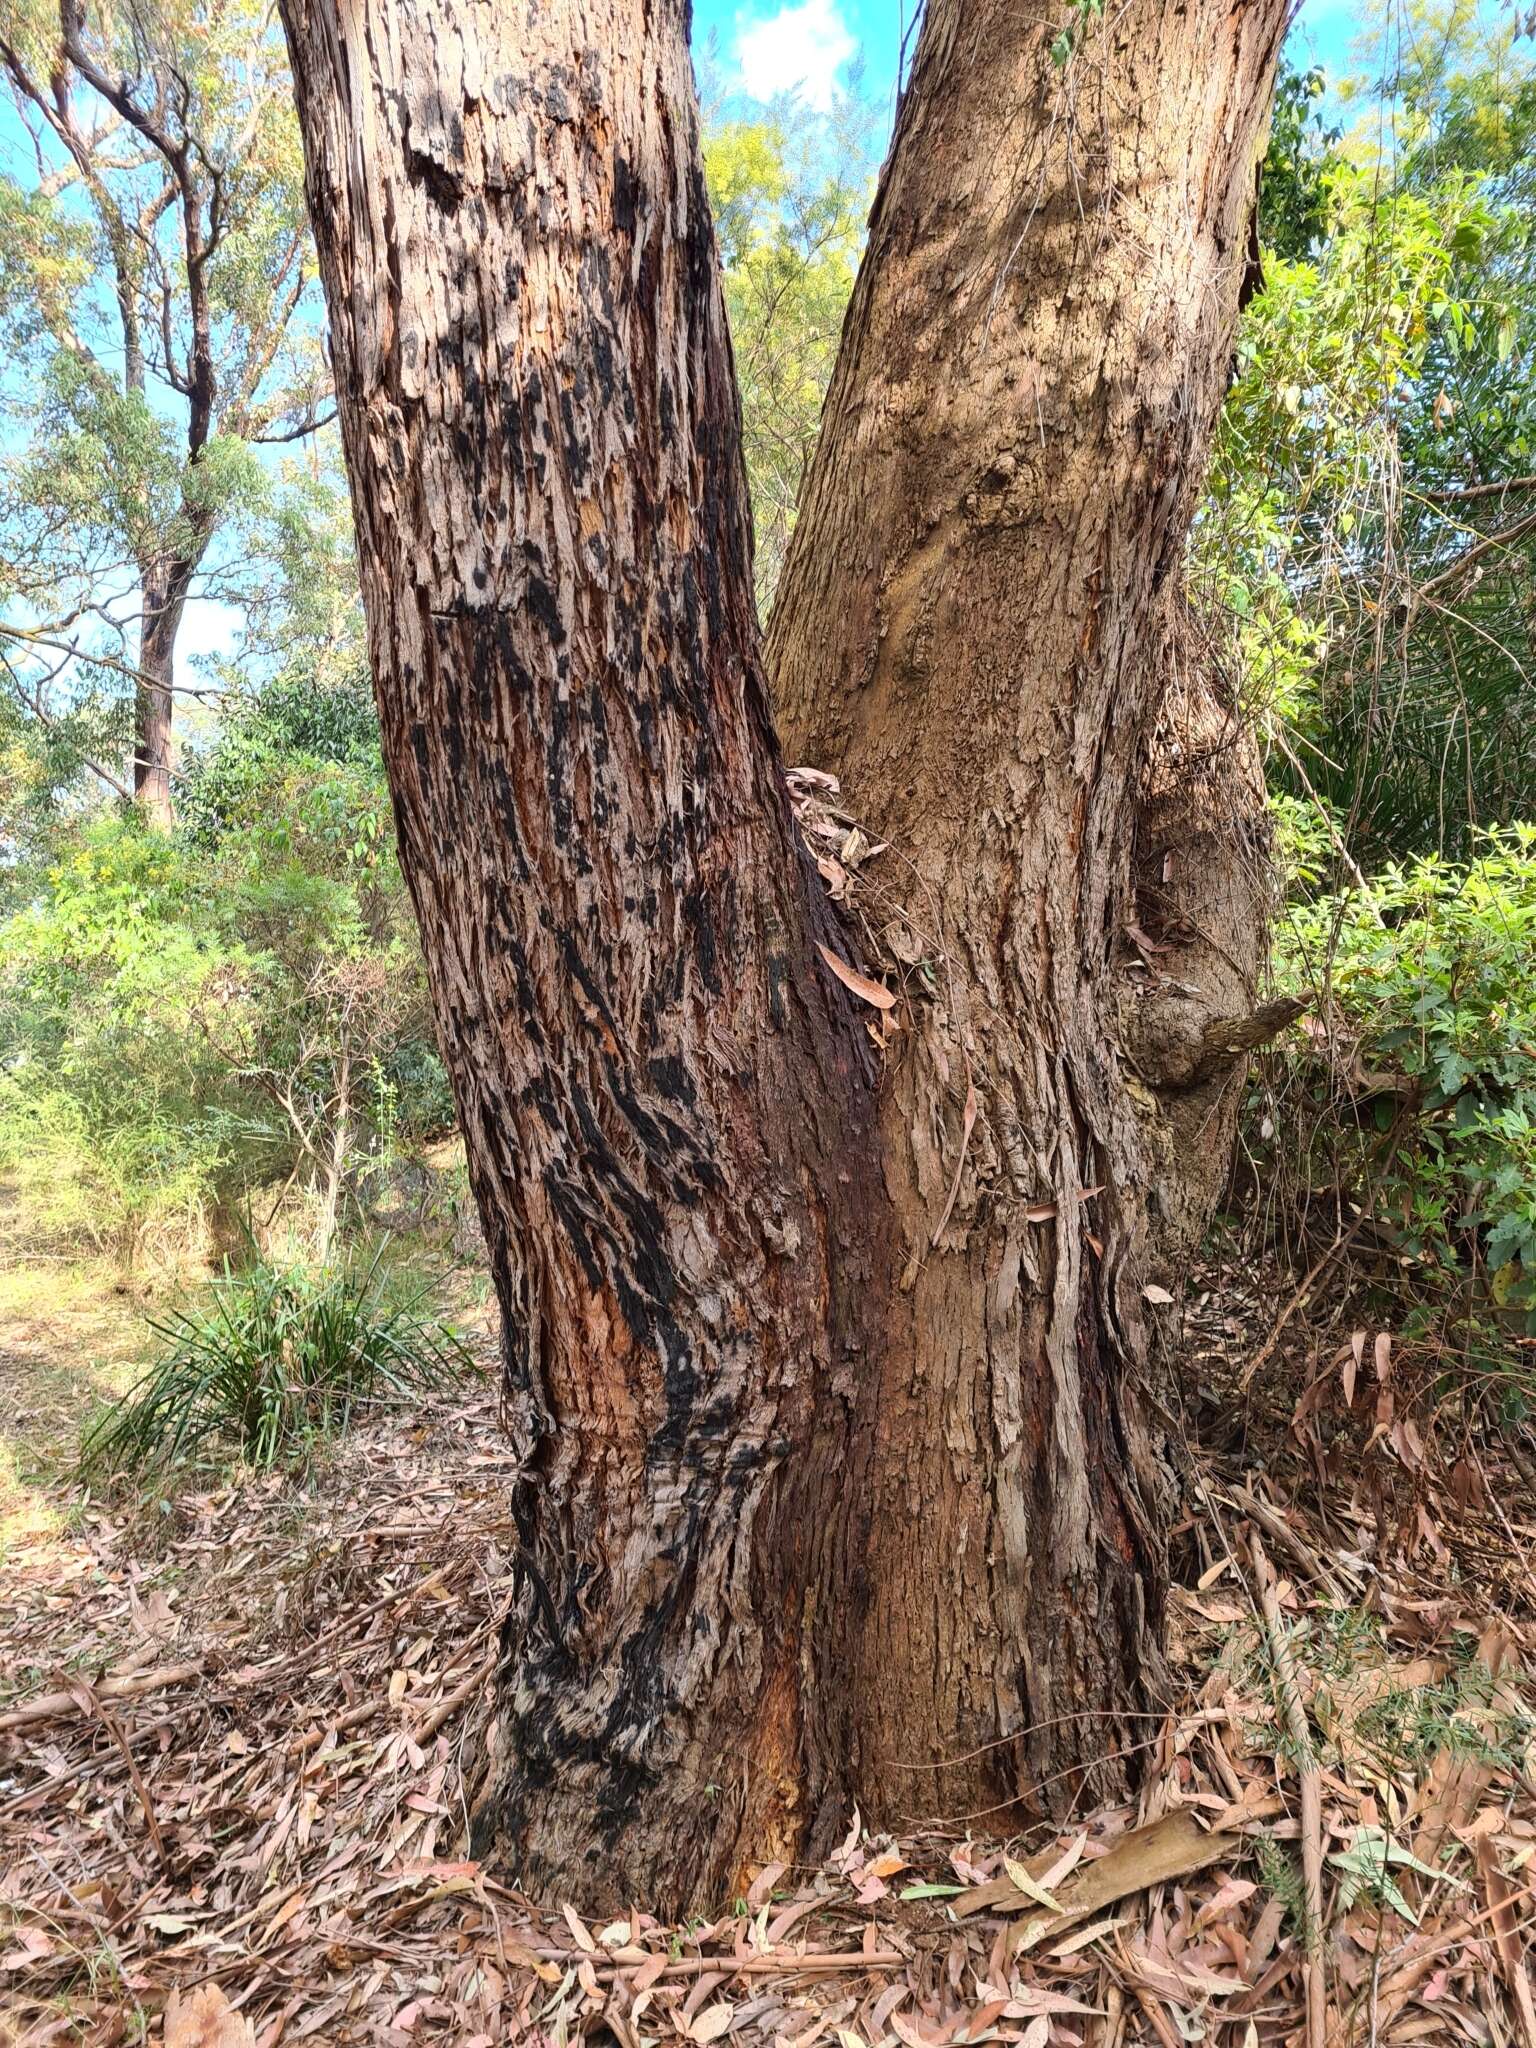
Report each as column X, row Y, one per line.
column 157, row 296
column 845, row 1476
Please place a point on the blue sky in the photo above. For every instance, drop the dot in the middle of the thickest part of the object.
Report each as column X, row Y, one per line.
column 805, row 46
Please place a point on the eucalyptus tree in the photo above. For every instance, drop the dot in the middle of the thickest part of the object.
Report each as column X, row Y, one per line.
column 157, row 294
column 790, row 194
column 828, row 1266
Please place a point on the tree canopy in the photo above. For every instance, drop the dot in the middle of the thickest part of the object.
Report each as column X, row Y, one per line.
column 158, row 313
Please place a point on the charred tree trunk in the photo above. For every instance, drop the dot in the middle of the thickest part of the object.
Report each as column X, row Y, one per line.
column 978, row 628
column 664, row 1094
column 811, row 1505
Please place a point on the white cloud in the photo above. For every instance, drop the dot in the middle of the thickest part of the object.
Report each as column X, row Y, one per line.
column 799, row 50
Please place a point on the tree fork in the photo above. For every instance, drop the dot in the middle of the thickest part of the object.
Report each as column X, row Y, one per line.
column 834, row 1489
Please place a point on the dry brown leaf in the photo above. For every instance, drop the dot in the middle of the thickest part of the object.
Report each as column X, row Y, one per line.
column 580, row 1931
column 860, row 984
column 1171, row 1847
column 206, row 2019
column 714, row 2021
column 967, row 1125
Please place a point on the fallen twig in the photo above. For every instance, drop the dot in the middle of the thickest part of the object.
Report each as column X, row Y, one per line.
column 1311, row 1793
column 56, row 1706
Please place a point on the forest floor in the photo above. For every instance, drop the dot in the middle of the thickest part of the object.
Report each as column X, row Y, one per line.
column 237, row 1731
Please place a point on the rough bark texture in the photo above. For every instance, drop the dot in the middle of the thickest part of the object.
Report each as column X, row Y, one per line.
column 979, row 630
column 814, row 1506
column 664, row 1093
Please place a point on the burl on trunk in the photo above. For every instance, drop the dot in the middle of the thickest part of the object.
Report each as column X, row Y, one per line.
column 823, row 1502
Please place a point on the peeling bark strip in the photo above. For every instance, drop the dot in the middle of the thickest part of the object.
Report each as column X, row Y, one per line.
column 810, row 1507
column 977, row 630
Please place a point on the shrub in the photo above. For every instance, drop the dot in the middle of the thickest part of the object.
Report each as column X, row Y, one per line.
column 289, row 720
column 1417, row 1072
column 278, row 1358
column 114, row 1120
column 187, row 1020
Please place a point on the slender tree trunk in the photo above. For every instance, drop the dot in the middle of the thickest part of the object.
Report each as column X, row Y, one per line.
column 163, row 587
column 828, row 1484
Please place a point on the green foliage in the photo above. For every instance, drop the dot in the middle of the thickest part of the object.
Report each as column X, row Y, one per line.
column 279, row 1357
column 263, row 735
column 1418, row 1077
column 1066, row 40
column 1366, row 1870
column 1293, row 189
column 790, row 195
column 113, row 1122
column 1366, row 530
column 187, row 1020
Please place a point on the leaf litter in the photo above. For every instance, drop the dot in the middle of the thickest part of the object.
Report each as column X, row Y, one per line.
column 237, row 1753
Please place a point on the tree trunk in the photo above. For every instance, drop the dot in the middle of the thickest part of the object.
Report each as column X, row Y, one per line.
column 978, row 629
column 664, row 1093
column 163, row 589
column 811, row 1506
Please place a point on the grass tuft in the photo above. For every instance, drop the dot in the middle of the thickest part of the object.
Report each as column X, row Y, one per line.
column 279, row 1359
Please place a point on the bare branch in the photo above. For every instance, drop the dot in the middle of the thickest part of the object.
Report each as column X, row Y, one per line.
column 33, row 702
column 1466, row 491
column 26, row 637
column 310, row 424
column 1465, row 561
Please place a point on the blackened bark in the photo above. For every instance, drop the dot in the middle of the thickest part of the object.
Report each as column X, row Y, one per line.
column 664, row 1093
column 813, row 1504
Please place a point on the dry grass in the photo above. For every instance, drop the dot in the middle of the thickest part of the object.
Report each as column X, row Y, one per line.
column 71, row 1337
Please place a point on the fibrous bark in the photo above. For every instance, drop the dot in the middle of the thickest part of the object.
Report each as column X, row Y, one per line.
column 834, row 1491
column 978, row 629
column 664, row 1092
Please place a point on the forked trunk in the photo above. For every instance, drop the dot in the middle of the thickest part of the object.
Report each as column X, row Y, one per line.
column 811, row 1505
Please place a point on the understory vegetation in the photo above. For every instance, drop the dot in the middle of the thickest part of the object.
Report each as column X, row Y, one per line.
column 277, row 1360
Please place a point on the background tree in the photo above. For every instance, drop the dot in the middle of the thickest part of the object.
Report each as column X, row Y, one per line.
column 790, row 195
column 710, row 1309
column 154, row 299
column 1370, row 526
column 1293, row 190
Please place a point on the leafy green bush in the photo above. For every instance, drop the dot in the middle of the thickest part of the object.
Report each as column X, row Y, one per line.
column 279, row 1358
column 113, row 1118
column 260, row 739
column 1420, row 1062
column 189, row 1019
